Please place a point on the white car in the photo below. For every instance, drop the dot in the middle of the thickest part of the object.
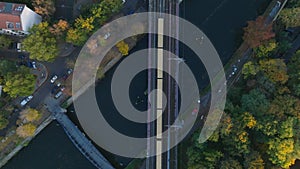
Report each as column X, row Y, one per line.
column 53, row 79
column 34, row 65
column 26, row 100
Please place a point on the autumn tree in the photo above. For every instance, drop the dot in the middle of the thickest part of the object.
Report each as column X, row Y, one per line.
column 257, row 32
column 40, row 43
column 275, row 70
column 123, row 48
column 26, row 130
column 20, row 83
column 30, row 115
column 279, row 151
column 45, row 8
column 59, row 28
column 290, row 17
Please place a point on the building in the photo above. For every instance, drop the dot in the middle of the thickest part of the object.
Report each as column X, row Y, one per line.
column 17, row 19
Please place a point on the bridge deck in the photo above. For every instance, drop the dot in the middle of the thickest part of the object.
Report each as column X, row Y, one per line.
column 82, row 143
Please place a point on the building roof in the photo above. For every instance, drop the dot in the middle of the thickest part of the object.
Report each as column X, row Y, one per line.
column 17, row 16
column 10, row 8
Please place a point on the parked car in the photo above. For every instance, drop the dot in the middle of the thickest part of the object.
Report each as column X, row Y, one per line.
column 33, row 65
column 19, row 47
column 26, row 100
column 58, row 95
column 53, row 79
column 69, row 71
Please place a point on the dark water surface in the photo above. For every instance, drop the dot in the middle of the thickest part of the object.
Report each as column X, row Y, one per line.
column 221, row 20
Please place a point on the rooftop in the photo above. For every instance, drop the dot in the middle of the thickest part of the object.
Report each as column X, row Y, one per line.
column 11, row 8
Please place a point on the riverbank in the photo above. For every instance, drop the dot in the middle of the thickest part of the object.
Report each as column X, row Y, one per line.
column 45, row 121
column 239, row 57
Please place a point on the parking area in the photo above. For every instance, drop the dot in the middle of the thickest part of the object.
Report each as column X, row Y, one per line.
column 64, row 9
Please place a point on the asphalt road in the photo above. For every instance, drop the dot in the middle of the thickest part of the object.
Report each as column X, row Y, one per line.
column 59, row 68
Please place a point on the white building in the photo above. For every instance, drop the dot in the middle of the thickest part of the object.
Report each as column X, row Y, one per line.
column 17, row 19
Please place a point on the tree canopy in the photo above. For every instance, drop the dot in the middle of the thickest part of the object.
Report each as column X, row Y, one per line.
column 257, row 32
column 40, row 43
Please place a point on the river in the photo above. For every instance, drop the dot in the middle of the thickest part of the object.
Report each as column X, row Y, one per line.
column 221, row 20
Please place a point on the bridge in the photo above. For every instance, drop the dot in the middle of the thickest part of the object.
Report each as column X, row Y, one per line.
column 81, row 142
column 163, row 82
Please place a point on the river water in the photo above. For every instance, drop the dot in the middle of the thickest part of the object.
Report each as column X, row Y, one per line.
column 221, row 20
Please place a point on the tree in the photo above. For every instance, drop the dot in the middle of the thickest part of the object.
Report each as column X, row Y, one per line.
column 3, row 122
column 123, row 48
column 46, row 8
column 230, row 163
column 265, row 49
column 290, row 17
column 26, row 130
column 20, row 83
column 275, row 70
column 30, row 115
column 85, row 24
column 249, row 69
column 294, row 74
column 253, row 160
column 202, row 156
column 7, row 66
column 59, row 28
column 4, row 42
column 257, row 32
column 40, row 43
column 255, row 102
column 279, row 151
column 76, row 36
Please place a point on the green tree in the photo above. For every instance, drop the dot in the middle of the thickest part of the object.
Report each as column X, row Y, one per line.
column 253, row 160
column 293, row 72
column 203, row 157
column 265, row 49
column 20, row 83
column 7, row 66
column 40, row 43
column 4, row 41
column 249, row 69
column 76, row 37
column 290, row 17
column 230, row 163
column 255, row 102
column 3, row 122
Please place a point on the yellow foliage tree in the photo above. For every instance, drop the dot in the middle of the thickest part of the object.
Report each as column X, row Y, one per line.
column 30, row 115
column 123, row 48
column 26, row 130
